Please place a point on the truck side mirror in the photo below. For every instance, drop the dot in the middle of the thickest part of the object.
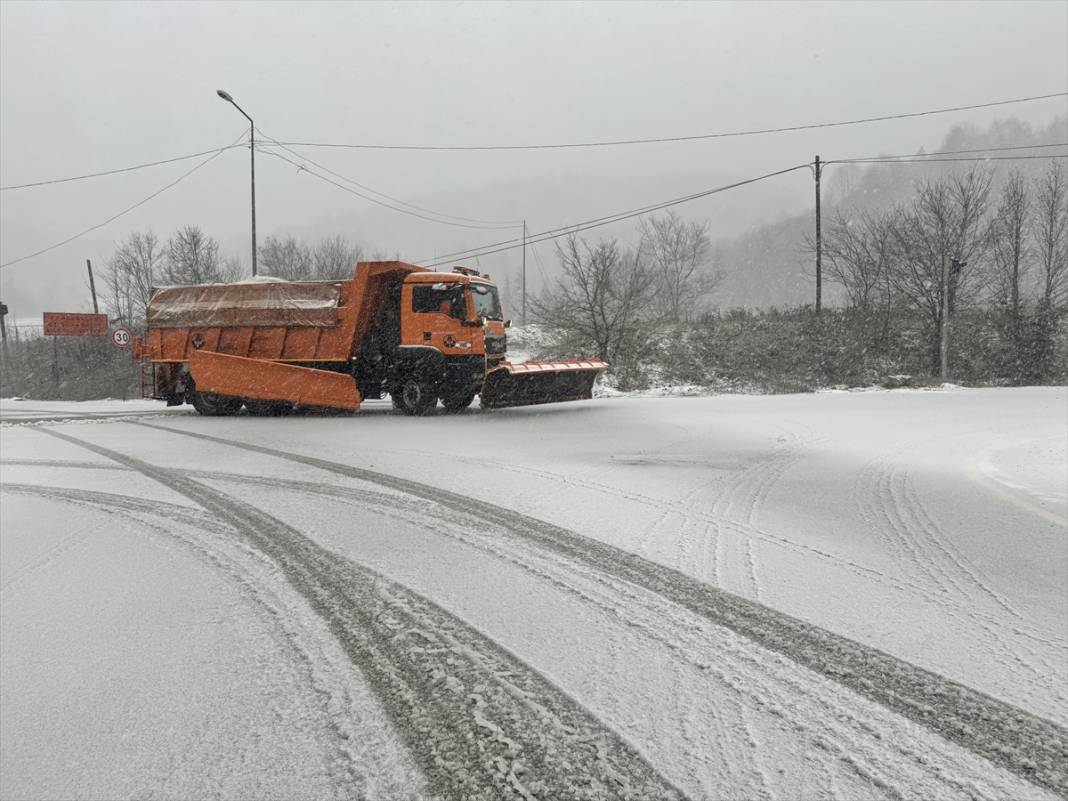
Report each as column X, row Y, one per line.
column 507, row 323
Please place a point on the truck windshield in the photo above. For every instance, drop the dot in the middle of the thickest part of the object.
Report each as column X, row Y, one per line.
column 487, row 304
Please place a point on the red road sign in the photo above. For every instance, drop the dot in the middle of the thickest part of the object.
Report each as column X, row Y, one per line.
column 64, row 324
column 121, row 337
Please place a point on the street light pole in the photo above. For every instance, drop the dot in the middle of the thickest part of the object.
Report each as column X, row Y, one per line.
column 949, row 280
column 252, row 151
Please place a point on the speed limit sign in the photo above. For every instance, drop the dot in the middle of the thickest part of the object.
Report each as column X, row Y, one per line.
column 121, row 337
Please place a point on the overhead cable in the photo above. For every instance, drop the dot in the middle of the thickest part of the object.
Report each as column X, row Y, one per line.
column 955, row 152
column 125, row 211
column 697, row 137
column 324, row 168
column 304, row 168
column 544, row 236
column 555, row 233
column 921, row 160
column 116, row 172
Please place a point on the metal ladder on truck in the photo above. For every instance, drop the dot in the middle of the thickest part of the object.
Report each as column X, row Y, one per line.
column 148, row 379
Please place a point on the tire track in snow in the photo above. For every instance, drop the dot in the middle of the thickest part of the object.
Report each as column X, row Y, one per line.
column 823, row 720
column 742, row 529
column 871, row 574
column 88, row 417
column 982, row 584
column 886, row 496
column 1031, row 747
column 67, row 544
column 323, row 672
column 475, row 733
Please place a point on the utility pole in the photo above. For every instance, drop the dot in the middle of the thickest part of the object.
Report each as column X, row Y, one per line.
column 3, row 326
column 524, row 272
column 252, row 150
column 92, row 286
column 819, row 240
column 947, row 277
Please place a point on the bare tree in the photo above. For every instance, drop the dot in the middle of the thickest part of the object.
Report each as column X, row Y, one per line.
column 946, row 221
column 857, row 252
column 603, row 294
column 1050, row 234
column 336, row 257
column 1009, row 246
column 192, row 257
column 130, row 275
column 232, row 267
column 678, row 253
column 289, row 259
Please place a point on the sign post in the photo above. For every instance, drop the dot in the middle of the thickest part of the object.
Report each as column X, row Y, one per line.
column 65, row 324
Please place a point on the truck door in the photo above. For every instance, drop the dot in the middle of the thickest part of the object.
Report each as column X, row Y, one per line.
column 434, row 314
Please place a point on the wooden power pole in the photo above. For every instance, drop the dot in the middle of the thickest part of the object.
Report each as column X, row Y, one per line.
column 819, row 240
column 92, row 286
column 524, row 272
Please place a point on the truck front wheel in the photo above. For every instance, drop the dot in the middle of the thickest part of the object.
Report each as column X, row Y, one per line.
column 414, row 397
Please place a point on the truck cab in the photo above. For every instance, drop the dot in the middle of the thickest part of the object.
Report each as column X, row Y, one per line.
column 436, row 337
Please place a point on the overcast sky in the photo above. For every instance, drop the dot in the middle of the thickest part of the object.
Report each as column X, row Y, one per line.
column 96, row 86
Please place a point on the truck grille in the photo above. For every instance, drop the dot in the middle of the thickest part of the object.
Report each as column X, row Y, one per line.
column 495, row 344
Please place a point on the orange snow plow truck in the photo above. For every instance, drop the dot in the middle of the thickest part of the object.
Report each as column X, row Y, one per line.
column 394, row 328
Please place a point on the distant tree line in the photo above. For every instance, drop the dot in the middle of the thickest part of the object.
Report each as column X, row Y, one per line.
column 997, row 260
column 958, row 245
column 609, row 298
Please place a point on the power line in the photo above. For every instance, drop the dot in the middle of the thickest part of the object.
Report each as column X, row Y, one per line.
column 896, row 160
column 374, row 200
column 500, row 223
column 555, row 233
column 658, row 140
column 140, row 203
column 610, row 143
column 951, row 152
column 461, row 254
column 544, row 236
column 116, row 172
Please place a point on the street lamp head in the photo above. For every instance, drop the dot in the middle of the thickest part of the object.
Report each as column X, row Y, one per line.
column 224, row 95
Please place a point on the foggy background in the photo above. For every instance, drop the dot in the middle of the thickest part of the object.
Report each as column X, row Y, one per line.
column 96, row 86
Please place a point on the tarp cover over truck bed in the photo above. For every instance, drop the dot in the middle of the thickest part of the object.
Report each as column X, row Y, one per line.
column 253, row 303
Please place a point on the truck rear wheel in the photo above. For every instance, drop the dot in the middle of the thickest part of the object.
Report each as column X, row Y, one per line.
column 210, row 404
column 457, row 401
column 414, row 397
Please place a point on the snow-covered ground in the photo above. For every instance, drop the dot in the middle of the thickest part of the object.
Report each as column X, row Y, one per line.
column 839, row 595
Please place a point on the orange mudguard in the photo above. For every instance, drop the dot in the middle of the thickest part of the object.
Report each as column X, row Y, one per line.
column 265, row 380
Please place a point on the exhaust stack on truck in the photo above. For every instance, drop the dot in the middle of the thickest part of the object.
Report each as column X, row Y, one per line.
column 394, row 328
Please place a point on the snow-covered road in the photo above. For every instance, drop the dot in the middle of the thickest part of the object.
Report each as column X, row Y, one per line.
column 842, row 595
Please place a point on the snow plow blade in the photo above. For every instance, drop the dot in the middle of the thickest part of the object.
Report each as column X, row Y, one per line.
column 259, row 379
column 532, row 383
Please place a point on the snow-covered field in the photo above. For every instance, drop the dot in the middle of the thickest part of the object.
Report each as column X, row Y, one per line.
column 840, row 595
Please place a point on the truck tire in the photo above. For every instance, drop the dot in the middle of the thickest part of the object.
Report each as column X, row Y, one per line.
column 211, row 405
column 457, row 401
column 415, row 397
column 262, row 408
